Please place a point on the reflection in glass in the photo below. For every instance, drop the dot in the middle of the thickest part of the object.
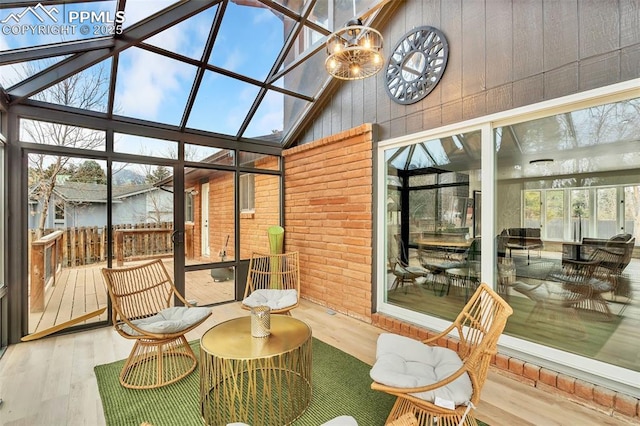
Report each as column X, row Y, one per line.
column 572, row 178
column 433, row 257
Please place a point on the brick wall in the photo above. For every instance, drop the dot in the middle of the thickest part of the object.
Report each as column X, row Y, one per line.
column 328, row 219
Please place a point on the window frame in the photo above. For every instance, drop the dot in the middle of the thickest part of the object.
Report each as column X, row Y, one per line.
column 247, row 193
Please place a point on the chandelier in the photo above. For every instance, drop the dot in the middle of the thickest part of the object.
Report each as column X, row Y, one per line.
column 355, row 52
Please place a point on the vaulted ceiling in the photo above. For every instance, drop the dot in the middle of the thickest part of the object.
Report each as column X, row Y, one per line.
column 233, row 69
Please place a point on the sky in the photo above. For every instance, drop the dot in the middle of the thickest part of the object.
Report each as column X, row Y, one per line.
column 153, row 87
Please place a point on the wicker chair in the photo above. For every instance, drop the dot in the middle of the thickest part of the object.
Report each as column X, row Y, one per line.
column 141, row 299
column 435, row 382
column 407, row 419
column 591, row 278
column 273, row 280
column 405, row 274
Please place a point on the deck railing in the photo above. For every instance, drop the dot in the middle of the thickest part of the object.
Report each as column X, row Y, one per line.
column 88, row 245
column 46, row 264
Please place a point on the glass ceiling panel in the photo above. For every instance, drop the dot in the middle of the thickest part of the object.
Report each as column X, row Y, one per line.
column 294, row 6
column 268, row 120
column 606, row 124
column 42, row 24
column 221, row 104
column 137, row 11
column 309, row 76
column 250, row 53
column 152, row 87
column 15, row 73
column 88, row 89
column 320, row 14
column 188, row 37
column 277, row 112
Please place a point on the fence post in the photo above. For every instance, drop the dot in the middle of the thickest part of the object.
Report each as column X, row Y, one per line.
column 119, row 246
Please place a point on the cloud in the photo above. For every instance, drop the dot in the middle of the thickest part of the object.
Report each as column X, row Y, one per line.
column 148, row 83
column 268, row 117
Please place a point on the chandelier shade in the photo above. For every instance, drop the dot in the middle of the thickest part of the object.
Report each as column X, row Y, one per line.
column 354, row 52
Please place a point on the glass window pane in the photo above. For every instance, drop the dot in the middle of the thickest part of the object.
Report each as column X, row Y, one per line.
column 250, row 53
column 188, row 37
column 88, row 89
column 554, row 215
column 208, row 154
column 532, row 209
column 258, row 161
column 580, row 208
column 150, row 147
column 572, row 163
column 61, row 135
column 433, row 259
column 606, row 212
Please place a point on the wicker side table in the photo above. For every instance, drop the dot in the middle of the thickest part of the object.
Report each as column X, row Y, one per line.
column 258, row 381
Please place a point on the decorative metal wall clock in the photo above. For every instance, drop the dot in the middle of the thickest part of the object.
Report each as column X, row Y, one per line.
column 416, row 65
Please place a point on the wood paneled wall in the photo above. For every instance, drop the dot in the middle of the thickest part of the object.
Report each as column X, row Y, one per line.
column 503, row 54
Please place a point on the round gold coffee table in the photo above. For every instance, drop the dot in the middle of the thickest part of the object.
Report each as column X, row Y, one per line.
column 258, row 381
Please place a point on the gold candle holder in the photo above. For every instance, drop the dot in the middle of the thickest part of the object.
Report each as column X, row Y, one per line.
column 260, row 321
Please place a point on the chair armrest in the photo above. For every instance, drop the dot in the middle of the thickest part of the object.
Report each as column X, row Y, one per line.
column 442, row 334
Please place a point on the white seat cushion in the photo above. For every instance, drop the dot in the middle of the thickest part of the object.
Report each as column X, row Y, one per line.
column 341, row 421
column 407, row 363
column 169, row 321
column 275, row 299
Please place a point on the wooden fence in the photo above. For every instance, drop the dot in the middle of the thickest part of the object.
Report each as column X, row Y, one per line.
column 87, row 245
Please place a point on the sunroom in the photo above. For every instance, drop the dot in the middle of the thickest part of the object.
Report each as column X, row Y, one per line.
column 185, row 130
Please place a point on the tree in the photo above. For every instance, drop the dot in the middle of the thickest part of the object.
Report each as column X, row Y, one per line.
column 89, row 172
column 157, row 174
column 86, row 90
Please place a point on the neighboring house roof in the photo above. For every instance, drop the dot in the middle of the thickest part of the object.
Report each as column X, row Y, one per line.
column 80, row 192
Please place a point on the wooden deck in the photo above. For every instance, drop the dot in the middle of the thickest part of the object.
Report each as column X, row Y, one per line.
column 81, row 290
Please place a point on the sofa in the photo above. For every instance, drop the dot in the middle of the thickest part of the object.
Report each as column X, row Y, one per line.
column 527, row 239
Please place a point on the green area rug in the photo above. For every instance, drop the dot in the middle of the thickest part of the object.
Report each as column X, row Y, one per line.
column 341, row 386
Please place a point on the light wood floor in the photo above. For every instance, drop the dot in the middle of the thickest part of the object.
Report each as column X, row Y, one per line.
column 51, row 381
